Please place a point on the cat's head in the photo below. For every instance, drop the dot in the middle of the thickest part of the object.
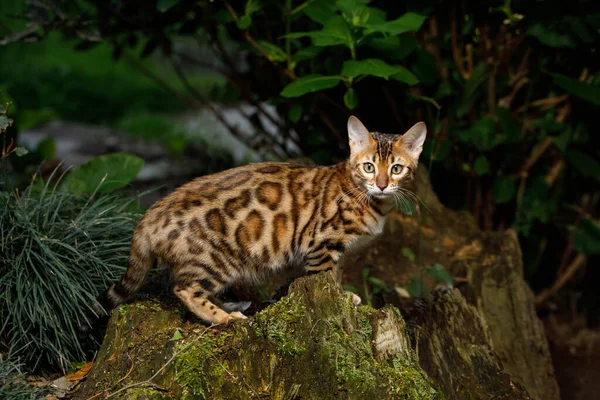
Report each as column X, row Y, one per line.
column 382, row 163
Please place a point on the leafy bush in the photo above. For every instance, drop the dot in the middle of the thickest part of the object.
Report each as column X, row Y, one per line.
column 13, row 385
column 58, row 251
column 509, row 91
column 155, row 127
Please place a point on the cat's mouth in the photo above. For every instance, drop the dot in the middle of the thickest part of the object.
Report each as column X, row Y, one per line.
column 379, row 194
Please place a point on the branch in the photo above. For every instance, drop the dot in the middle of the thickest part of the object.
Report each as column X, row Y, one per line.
column 561, row 280
column 454, row 42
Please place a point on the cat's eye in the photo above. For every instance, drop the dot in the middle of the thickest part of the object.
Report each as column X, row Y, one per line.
column 396, row 169
column 368, row 167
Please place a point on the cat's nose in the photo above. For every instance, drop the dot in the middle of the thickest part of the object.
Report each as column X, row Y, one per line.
column 382, row 186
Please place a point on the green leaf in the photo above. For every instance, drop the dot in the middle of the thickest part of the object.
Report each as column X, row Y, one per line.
column 395, row 47
column 379, row 68
column 335, row 32
column 504, row 189
column 177, row 336
column 295, row 113
column 377, row 284
column 409, row 22
column 587, row 237
column 244, row 22
column 408, row 253
column 548, row 37
column 21, row 151
column 351, row 99
column 356, row 12
column 562, row 141
column 482, row 134
column 478, row 77
column 164, row 5
column 274, row 53
column 47, row 148
column 444, row 90
column 308, row 84
column 307, row 53
column 29, row 118
column 404, row 75
column 5, row 122
column 105, row 173
column 580, row 89
column 416, row 287
column 426, row 67
column 585, row 164
column 372, row 66
column 320, row 11
column 440, row 274
column 508, row 124
column 482, row 166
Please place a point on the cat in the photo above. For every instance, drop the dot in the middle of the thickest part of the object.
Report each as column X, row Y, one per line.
column 245, row 222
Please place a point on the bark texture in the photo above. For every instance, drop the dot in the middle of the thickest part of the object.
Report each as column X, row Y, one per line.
column 488, row 271
column 312, row 344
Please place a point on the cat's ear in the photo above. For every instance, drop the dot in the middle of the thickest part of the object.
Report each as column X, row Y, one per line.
column 359, row 135
column 412, row 141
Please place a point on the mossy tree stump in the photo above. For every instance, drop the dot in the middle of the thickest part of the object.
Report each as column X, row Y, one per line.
column 312, row 344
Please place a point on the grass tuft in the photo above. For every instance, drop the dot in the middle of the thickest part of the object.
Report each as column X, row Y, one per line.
column 13, row 384
column 58, row 251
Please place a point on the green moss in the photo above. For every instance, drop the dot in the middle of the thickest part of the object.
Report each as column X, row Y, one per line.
column 407, row 380
column 279, row 322
column 199, row 368
column 144, row 393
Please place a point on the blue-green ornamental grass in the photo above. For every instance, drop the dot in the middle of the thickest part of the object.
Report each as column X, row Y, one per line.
column 13, row 384
column 58, row 250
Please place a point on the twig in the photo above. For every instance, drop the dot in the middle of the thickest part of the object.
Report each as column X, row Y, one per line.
column 523, row 172
column 561, row 280
column 149, row 380
column 546, row 103
column 454, row 42
column 137, row 65
column 238, row 82
column 554, row 172
column 492, row 90
column 434, row 50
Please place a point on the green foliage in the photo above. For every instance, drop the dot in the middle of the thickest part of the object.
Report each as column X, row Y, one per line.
column 13, row 384
column 104, row 174
column 416, row 287
column 587, row 237
column 52, row 80
column 438, row 272
column 155, row 127
column 509, row 92
column 58, row 250
column 309, row 84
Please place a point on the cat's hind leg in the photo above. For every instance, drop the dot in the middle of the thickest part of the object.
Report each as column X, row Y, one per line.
column 195, row 286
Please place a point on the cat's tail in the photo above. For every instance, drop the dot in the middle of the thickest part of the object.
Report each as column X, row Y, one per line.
column 141, row 260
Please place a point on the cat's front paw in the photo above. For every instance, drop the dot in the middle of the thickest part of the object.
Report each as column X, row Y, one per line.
column 356, row 300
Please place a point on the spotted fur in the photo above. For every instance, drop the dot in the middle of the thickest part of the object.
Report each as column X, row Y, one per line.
column 245, row 222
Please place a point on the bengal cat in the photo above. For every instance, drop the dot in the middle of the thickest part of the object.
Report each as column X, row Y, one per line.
column 244, row 222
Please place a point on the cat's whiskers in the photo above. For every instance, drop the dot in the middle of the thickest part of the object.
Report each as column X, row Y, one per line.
column 348, row 194
column 400, row 198
column 413, row 196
